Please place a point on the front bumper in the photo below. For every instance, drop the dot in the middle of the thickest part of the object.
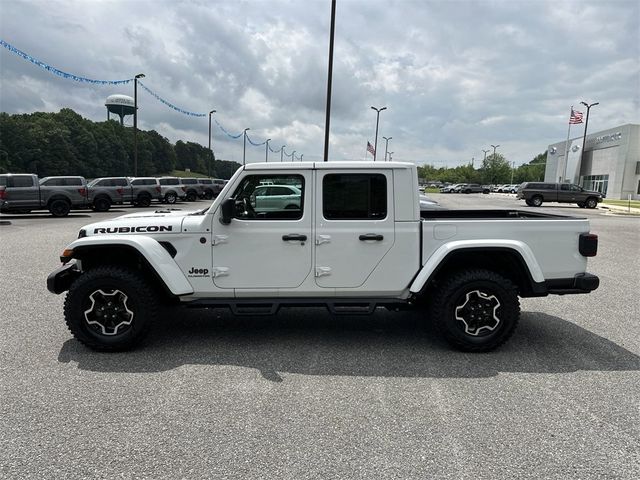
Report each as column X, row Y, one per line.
column 61, row 279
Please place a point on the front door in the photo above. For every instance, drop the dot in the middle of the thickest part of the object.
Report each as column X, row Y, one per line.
column 268, row 243
column 354, row 225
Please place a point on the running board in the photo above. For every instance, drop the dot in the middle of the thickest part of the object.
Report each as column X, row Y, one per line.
column 259, row 307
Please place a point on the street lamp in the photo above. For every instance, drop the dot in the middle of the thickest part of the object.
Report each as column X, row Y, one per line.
column 586, row 124
column 390, row 158
column 494, row 150
column 135, row 123
column 244, row 146
column 375, row 147
column 301, row 155
column 485, row 154
column 210, row 151
column 266, row 151
column 282, row 152
column 293, row 156
column 386, row 147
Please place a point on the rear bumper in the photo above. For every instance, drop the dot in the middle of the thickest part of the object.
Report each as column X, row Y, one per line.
column 581, row 283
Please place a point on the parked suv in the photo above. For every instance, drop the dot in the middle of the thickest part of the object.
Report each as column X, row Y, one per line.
column 211, row 187
column 171, row 190
column 107, row 191
column 535, row 193
column 144, row 190
column 474, row 188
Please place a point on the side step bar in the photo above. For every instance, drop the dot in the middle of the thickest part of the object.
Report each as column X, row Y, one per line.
column 258, row 307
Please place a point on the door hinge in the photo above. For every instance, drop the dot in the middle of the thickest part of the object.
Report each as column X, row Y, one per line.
column 322, row 271
column 219, row 272
column 218, row 239
column 320, row 239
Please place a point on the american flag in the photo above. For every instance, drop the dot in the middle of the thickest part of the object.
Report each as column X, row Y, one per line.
column 576, row 117
column 370, row 149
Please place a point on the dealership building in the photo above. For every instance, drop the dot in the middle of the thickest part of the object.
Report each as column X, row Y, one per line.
column 610, row 164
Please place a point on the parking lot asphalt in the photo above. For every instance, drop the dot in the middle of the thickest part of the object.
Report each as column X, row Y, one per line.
column 304, row 394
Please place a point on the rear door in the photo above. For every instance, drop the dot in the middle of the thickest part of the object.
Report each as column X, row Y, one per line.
column 23, row 191
column 354, row 225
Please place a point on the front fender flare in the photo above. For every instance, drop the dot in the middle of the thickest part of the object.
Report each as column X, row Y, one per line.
column 158, row 258
column 441, row 253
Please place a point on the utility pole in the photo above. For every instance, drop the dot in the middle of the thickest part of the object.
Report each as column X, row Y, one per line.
column 375, row 147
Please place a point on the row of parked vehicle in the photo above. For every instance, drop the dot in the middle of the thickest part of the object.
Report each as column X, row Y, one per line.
column 465, row 188
column 22, row 193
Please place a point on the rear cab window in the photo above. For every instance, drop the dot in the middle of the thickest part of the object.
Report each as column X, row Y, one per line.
column 354, row 196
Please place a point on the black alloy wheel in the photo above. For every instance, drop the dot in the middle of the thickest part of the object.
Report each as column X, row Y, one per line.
column 101, row 204
column 536, row 201
column 59, row 208
column 591, row 202
column 144, row 200
column 170, row 198
column 476, row 310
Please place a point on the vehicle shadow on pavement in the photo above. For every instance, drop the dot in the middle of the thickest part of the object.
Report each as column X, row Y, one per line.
column 43, row 216
column 383, row 345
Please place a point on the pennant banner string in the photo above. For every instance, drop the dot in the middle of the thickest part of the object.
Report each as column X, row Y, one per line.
column 169, row 104
column 255, row 144
column 60, row 73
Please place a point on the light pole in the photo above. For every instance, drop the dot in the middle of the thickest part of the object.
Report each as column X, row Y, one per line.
column 210, row 151
column 494, row 150
column 293, row 156
column 485, row 154
column 375, row 147
column 244, row 146
column 513, row 169
column 282, row 152
column 266, row 151
column 135, row 123
column 329, row 81
column 386, row 147
column 586, row 124
column 390, row 157
column 301, row 155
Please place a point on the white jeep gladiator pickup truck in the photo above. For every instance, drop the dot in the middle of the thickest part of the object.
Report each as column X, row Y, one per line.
column 353, row 239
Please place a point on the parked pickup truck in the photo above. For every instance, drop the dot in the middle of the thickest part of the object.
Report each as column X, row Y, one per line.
column 356, row 241
column 22, row 193
column 535, row 193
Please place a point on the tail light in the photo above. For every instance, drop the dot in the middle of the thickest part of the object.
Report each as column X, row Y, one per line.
column 158, row 189
column 3, row 194
column 82, row 191
column 120, row 191
column 184, row 189
column 588, row 244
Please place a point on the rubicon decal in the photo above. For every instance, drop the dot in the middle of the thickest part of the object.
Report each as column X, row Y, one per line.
column 141, row 229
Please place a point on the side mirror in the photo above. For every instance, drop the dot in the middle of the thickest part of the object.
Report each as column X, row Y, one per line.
column 227, row 209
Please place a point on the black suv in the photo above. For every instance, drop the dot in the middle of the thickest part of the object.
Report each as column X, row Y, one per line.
column 535, row 193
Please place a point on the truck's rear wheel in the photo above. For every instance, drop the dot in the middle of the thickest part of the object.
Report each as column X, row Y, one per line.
column 192, row 196
column 476, row 310
column 59, row 208
column 110, row 308
column 144, row 200
column 536, row 201
column 170, row 198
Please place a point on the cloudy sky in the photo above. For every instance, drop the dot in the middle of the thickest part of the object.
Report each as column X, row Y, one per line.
column 455, row 76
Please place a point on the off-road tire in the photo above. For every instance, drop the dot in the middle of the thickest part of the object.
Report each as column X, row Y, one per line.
column 102, row 204
column 536, row 201
column 454, row 294
column 144, row 200
column 140, row 301
column 59, row 208
column 591, row 202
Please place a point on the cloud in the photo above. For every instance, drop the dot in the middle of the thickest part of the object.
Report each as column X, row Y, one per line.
column 455, row 76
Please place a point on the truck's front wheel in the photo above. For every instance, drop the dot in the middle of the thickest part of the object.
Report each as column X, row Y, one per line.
column 476, row 310
column 110, row 308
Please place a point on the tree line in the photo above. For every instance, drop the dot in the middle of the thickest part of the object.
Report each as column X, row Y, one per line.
column 65, row 143
column 494, row 170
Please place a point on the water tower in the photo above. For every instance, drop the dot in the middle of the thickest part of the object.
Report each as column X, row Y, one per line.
column 121, row 105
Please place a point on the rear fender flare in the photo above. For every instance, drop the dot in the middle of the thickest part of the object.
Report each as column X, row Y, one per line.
column 158, row 258
column 441, row 254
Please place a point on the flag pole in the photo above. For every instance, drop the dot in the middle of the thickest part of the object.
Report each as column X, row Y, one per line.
column 566, row 149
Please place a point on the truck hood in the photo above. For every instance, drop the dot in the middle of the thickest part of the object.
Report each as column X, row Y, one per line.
column 159, row 221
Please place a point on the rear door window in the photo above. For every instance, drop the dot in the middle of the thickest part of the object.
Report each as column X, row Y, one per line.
column 354, row 196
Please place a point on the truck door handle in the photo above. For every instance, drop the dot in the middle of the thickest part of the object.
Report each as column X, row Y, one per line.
column 371, row 236
column 294, row 236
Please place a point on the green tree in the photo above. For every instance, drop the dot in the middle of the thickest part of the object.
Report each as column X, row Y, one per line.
column 495, row 169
